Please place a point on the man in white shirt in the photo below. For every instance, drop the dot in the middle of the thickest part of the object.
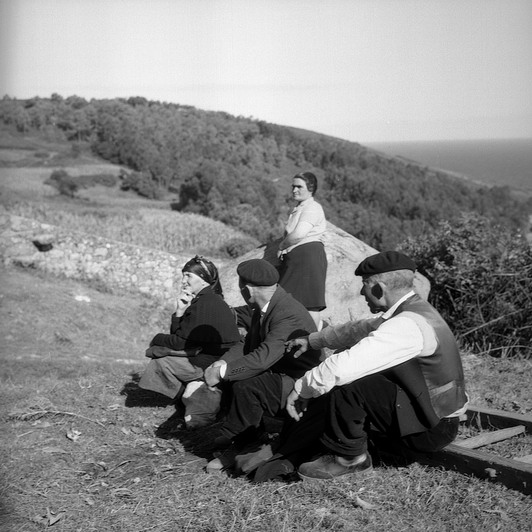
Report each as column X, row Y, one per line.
column 400, row 372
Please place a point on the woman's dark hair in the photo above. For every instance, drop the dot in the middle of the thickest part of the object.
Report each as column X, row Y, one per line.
column 205, row 269
column 310, row 179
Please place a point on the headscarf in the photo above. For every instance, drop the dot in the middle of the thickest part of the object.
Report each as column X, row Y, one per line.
column 205, row 269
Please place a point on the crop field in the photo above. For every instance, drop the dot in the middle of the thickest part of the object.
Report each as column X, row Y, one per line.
column 113, row 214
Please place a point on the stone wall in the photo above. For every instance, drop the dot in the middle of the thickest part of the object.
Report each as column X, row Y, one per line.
column 115, row 265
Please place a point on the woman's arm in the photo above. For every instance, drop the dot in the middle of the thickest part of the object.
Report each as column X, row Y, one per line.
column 182, row 325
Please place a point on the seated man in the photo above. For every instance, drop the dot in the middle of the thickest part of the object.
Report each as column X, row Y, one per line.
column 262, row 372
column 400, row 372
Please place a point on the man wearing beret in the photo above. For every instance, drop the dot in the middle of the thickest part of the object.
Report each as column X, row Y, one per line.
column 262, row 372
column 400, row 372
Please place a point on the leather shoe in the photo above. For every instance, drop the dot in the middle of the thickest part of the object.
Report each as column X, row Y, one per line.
column 248, row 462
column 221, row 463
column 277, row 469
column 329, row 467
column 222, row 442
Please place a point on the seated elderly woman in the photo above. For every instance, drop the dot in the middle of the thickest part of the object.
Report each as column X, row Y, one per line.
column 203, row 328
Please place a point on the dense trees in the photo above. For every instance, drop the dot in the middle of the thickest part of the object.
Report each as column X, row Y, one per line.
column 238, row 170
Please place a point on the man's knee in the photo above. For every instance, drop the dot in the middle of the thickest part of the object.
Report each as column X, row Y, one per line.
column 247, row 386
column 372, row 387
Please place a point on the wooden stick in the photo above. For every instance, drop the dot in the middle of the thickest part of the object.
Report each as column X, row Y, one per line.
column 40, row 413
column 490, row 437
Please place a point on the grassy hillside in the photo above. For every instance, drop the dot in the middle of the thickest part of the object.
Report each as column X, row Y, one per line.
column 237, row 170
column 84, row 448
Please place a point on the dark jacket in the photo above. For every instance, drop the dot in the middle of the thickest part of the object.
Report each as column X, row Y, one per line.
column 208, row 323
column 264, row 348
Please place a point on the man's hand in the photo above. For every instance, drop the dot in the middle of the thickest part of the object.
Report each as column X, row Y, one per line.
column 212, row 373
column 296, row 406
column 297, row 347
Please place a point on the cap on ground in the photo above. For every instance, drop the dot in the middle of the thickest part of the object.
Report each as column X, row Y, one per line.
column 387, row 261
column 258, row 272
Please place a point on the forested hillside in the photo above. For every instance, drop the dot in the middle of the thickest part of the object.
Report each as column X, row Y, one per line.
column 238, row 170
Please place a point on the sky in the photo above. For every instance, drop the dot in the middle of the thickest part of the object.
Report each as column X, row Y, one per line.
column 362, row 70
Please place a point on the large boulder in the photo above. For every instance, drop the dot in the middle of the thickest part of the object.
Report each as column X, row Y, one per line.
column 342, row 291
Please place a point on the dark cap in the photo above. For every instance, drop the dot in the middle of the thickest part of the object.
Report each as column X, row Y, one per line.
column 388, row 261
column 258, row 272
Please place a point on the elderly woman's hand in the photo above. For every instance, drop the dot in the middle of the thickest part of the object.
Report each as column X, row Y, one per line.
column 183, row 302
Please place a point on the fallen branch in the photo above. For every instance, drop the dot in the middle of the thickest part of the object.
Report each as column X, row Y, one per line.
column 491, row 322
column 40, row 413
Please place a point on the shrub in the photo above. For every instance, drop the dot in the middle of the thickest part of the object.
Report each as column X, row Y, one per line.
column 235, row 247
column 106, row 180
column 481, row 277
column 142, row 184
column 62, row 181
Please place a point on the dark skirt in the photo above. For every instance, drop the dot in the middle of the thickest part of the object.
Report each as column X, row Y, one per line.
column 302, row 274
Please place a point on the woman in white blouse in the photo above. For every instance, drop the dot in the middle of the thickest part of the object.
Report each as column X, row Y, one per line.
column 303, row 261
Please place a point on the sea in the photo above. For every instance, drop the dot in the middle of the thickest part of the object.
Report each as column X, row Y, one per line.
column 493, row 162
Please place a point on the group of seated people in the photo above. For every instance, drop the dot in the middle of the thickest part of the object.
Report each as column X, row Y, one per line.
column 398, row 373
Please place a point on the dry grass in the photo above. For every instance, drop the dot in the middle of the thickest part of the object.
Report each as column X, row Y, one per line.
column 147, row 227
column 82, row 446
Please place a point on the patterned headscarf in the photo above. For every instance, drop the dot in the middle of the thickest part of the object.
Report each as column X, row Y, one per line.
column 205, row 269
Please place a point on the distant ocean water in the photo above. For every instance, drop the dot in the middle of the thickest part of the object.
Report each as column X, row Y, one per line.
column 491, row 162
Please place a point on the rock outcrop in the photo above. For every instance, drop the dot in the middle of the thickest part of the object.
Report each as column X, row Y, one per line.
column 342, row 290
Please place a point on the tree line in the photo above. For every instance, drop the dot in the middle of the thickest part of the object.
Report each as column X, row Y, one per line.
column 238, row 170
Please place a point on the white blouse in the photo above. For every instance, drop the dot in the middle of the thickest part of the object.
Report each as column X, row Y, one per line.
column 310, row 212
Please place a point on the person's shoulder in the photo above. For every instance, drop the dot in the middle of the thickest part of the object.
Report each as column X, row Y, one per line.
column 313, row 206
column 208, row 296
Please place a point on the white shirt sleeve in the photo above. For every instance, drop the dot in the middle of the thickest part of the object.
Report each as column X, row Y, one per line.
column 397, row 340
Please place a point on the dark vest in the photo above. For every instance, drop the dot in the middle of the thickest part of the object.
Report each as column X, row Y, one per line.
column 434, row 384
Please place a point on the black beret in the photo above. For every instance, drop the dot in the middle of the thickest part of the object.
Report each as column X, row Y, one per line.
column 388, row 261
column 258, row 272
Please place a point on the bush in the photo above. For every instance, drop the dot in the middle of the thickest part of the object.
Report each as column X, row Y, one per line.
column 105, row 180
column 481, row 277
column 142, row 184
column 68, row 185
column 235, row 247
column 62, row 181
